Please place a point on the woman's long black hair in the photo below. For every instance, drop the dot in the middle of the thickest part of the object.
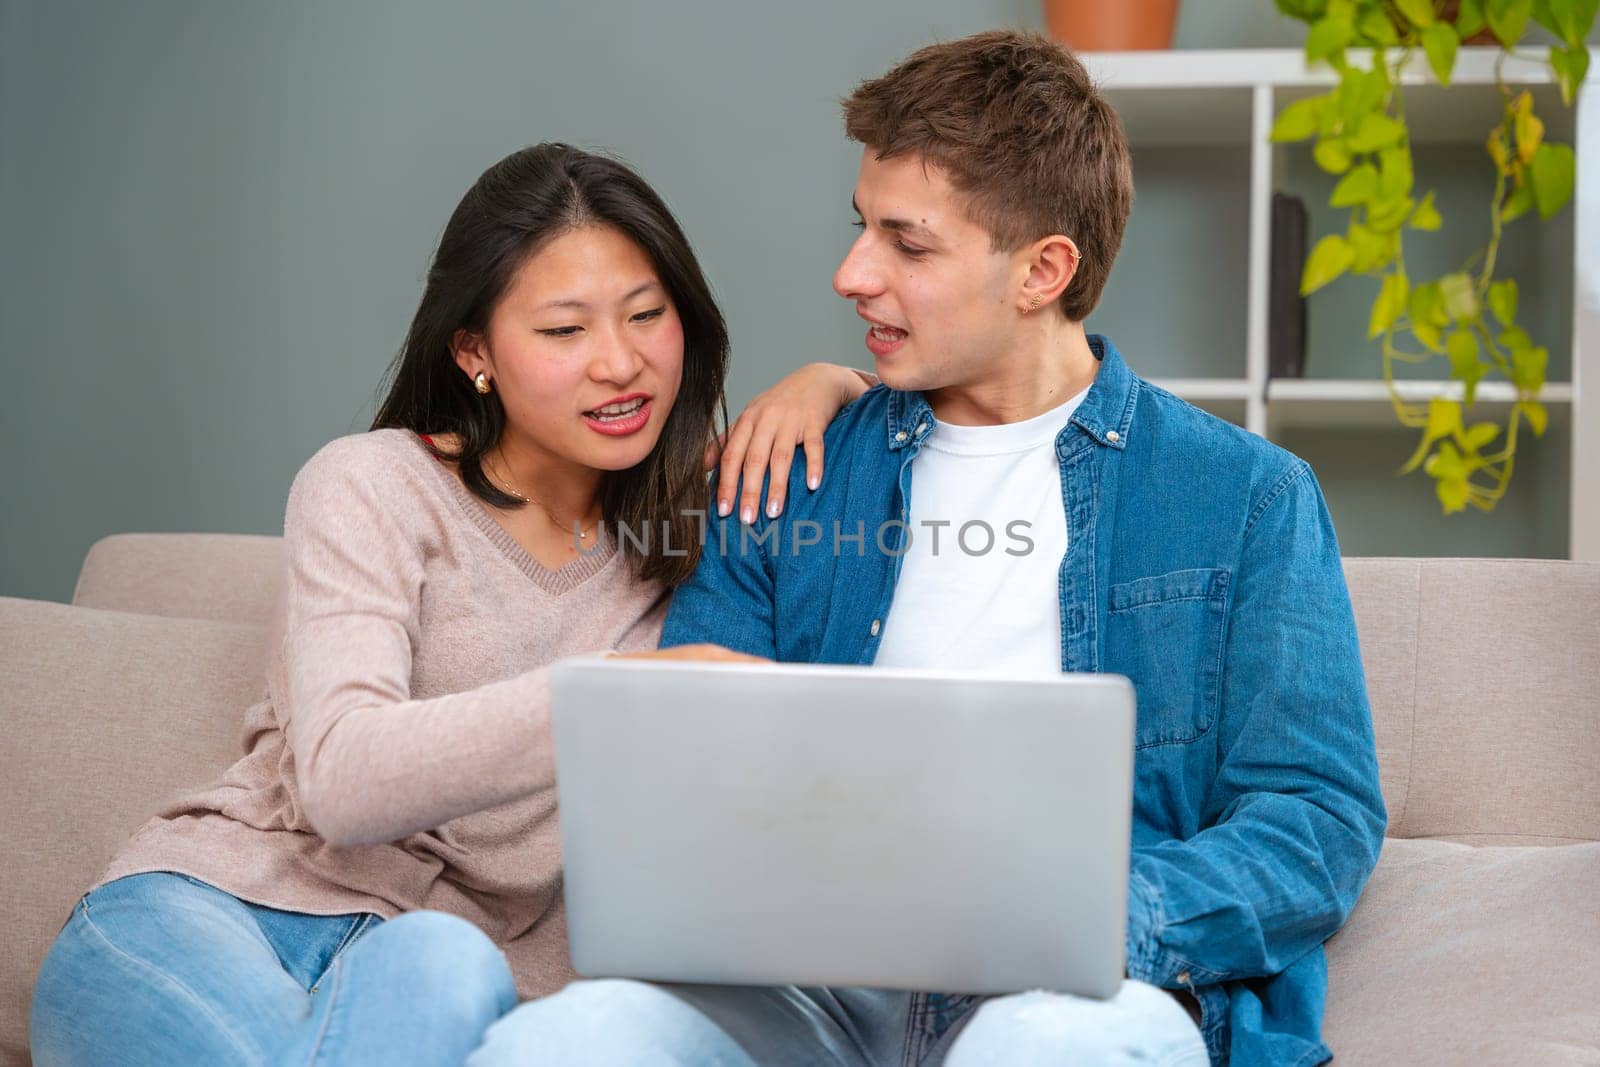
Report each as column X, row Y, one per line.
column 512, row 210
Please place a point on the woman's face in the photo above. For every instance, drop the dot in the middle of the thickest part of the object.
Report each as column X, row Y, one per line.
column 585, row 349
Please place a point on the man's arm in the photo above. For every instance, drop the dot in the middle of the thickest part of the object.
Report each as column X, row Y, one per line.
column 1294, row 819
column 729, row 601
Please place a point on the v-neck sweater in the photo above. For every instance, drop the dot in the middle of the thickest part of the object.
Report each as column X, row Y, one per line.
column 402, row 757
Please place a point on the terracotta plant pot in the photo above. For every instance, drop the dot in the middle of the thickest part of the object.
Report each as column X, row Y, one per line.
column 1112, row 25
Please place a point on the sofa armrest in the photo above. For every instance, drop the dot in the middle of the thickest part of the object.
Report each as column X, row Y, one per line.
column 1482, row 677
column 105, row 716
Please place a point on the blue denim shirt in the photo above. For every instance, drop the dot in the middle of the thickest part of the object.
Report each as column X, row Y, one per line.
column 1201, row 564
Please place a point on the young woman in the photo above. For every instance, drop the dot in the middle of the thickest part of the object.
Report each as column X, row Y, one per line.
column 379, row 878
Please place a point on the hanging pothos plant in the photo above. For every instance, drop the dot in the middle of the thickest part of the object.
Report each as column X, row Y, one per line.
column 1468, row 316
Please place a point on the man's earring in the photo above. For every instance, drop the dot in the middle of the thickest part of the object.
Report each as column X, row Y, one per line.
column 481, row 382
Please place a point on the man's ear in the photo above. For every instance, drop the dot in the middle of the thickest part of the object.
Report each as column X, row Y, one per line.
column 471, row 353
column 1052, row 264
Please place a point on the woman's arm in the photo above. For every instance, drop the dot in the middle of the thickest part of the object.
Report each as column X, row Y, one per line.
column 792, row 413
column 371, row 763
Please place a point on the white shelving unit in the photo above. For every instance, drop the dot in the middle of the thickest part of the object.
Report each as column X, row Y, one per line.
column 1227, row 100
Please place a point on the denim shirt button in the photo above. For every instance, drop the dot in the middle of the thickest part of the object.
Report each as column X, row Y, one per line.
column 877, row 624
column 1184, row 977
column 1113, row 436
column 901, row 436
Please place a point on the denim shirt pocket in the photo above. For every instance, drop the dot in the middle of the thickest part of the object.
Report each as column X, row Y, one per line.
column 1166, row 634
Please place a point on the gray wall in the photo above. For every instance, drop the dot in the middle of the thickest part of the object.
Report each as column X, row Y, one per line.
column 214, row 218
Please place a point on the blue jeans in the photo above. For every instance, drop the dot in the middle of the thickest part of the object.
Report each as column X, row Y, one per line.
column 655, row 1025
column 163, row 969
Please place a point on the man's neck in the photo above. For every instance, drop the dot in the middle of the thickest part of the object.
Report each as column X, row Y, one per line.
column 1051, row 363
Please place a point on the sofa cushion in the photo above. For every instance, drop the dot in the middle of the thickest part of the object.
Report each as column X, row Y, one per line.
column 1458, row 954
column 226, row 577
column 106, row 716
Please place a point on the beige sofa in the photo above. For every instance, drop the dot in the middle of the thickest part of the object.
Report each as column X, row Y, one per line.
column 1478, row 939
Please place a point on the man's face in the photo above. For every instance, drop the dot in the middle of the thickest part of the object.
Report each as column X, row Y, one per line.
column 942, row 305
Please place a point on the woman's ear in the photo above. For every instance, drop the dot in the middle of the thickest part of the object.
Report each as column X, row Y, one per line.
column 471, row 353
column 1052, row 264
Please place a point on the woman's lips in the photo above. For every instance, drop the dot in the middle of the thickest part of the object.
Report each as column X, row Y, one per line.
column 621, row 426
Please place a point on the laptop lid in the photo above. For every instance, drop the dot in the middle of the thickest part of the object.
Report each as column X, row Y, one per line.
column 773, row 824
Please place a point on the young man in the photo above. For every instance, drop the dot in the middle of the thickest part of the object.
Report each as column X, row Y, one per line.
column 1066, row 516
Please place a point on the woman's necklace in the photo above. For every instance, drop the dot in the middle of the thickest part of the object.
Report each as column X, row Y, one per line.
column 506, row 484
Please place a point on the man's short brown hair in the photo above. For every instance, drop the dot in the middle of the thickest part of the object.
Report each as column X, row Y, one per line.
column 1014, row 121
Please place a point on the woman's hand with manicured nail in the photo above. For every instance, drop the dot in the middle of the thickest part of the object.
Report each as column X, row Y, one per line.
column 762, row 440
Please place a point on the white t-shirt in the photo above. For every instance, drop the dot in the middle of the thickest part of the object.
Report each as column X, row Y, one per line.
column 980, row 586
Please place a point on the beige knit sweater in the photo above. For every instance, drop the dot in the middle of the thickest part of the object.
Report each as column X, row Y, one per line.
column 402, row 758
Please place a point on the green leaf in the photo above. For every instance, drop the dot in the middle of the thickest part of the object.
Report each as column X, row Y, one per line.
column 1480, row 434
column 1332, row 156
column 1358, row 94
column 1440, row 42
column 1462, row 347
column 1570, row 66
column 1394, row 178
column 1371, row 250
column 1450, row 472
column 1357, row 187
column 1304, row 10
column 1584, row 12
column 1529, row 132
column 1376, row 27
column 1418, row 12
column 1426, row 217
column 1444, row 419
column 1427, row 306
column 1376, row 131
column 1508, row 18
column 1528, row 367
column 1447, row 461
column 1299, row 120
column 1469, row 18
column 1570, row 20
column 1518, row 203
column 1390, row 305
column 1460, row 299
column 1329, row 259
column 1495, row 146
column 1327, row 40
column 1452, row 491
column 1552, row 172
column 1515, row 338
column 1390, row 216
column 1503, row 300
column 1429, row 335
column 1538, row 418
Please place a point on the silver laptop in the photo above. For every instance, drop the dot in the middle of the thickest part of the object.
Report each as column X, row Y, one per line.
column 779, row 824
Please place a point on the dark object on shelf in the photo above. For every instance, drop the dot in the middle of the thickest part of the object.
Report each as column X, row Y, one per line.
column 1286, row 308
